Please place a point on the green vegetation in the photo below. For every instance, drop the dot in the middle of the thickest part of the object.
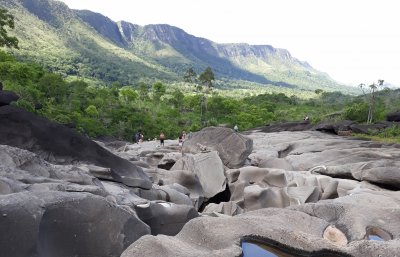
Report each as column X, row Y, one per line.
column 389, row 135
column 121, row 110
column 104, row 104
column 7, row 20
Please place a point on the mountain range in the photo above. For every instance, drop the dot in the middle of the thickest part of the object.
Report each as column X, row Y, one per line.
column 82, row 43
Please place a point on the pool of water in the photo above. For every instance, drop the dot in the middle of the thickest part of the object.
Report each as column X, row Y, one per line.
column 375, row 238
column 377, row 234
column 258, row 250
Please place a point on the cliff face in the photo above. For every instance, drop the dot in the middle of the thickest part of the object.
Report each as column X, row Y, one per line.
column 103, row 25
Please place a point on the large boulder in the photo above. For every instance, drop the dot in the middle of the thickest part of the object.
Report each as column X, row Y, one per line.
column 294, row 231
column 7, row 97
column 165, row 218
column 21, row 170
column 65, row 224
column 208, row 168
column 185, row 178
column 395, row 116
column 232, row 147
column 59, row 144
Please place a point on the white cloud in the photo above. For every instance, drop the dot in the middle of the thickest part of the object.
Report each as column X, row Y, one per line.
column 353, row 40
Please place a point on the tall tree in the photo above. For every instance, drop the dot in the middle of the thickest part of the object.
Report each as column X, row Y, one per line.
column 207, row 77
column 7, row 20
column 372, row 89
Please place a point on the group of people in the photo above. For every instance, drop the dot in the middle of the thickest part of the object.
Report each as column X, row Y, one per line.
column 138, row 137
column 181, row 138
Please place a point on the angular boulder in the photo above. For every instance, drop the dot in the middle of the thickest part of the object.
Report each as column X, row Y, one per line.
column 233, row 148
column 208, row 168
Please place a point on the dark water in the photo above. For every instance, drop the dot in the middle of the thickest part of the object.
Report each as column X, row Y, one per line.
column 258, row 250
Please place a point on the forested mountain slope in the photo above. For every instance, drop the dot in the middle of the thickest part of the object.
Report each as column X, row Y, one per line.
column 87, row 44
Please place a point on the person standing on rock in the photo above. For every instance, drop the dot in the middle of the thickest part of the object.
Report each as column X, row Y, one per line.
column 182, row 137
column 236, row 128
column 162, row 137
column 136, row 138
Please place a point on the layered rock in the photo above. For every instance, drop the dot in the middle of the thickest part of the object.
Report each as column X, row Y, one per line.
column 332, row 155
column 59, row 144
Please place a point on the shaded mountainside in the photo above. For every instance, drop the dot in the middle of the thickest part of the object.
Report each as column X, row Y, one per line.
column 87, row 44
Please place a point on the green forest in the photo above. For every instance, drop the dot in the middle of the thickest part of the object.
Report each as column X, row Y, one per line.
column 121, row 110
column 193, row 102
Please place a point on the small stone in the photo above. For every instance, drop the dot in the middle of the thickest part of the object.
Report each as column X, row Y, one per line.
column 335, row 236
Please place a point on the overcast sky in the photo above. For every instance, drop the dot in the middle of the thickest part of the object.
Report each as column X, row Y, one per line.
column 354, row 41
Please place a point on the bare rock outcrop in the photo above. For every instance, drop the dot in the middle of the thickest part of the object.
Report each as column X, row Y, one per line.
column 233, row 148
column 59, row 144
column 65, row 224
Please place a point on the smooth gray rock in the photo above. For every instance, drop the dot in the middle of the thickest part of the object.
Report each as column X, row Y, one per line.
column 209, row 236
column 65, row 224
column 354, row 213
column 254, row 188
column 165, row 218
column 334, row 156
column 184, row 178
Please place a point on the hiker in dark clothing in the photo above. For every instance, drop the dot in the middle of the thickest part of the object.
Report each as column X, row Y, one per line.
column 136, row 138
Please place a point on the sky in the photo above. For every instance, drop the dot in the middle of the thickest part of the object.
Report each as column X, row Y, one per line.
column 354, row 41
